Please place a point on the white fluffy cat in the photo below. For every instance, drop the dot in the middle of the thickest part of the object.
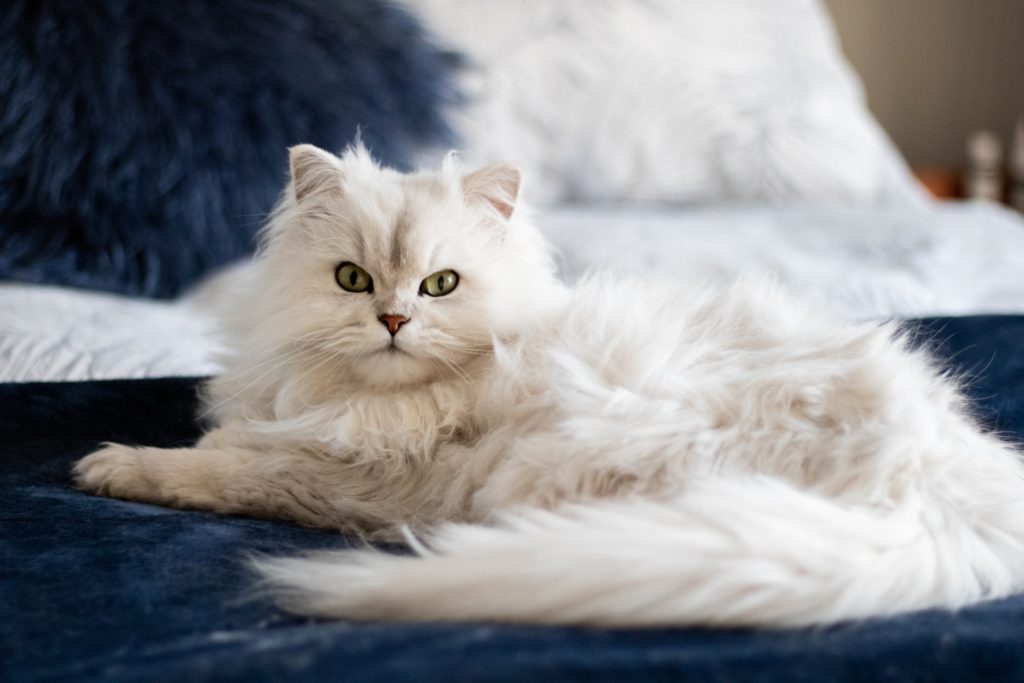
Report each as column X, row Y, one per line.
column 408, row 366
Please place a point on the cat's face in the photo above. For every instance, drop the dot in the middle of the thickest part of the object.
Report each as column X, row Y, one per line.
column 386, row 279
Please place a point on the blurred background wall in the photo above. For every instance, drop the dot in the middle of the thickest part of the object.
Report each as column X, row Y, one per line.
column 934, row 70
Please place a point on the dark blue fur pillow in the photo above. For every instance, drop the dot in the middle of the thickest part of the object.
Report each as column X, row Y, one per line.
column 142, row 143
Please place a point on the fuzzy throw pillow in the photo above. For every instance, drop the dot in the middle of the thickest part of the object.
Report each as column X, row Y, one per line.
column 683, row 101
column 143, row 143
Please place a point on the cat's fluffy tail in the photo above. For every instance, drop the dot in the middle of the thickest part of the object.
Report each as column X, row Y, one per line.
column 751, row 552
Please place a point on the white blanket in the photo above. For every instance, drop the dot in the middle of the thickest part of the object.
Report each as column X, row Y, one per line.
column 947, row 260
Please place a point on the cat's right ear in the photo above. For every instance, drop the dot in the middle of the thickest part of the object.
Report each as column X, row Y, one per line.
column 313, row 170
column 498, row 185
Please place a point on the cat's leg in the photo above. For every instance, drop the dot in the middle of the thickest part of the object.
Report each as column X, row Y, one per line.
column 311, row 489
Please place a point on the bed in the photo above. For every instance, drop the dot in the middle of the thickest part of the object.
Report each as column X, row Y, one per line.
column 770, row 166
column 96, row 589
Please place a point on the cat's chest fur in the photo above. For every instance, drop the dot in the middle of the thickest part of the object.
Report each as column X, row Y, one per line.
column 408, row 424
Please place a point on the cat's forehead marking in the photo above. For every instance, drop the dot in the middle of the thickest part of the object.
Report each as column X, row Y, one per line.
column 360, row 241
column 408, row 244
column 399, row 233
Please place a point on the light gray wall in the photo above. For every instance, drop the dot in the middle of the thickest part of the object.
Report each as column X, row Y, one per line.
column 936, row 69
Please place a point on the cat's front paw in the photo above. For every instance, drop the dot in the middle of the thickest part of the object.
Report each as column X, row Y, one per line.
column 115, row 471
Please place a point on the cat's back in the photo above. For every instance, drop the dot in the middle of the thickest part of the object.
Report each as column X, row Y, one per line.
column 744, row 376
column 663, row 339
column 631, row 326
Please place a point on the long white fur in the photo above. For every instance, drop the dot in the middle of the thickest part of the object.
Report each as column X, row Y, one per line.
column 764, row 469
column 627, row 453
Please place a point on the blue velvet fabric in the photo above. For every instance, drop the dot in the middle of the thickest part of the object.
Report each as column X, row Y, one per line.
column 144, row 142
column 92, row 588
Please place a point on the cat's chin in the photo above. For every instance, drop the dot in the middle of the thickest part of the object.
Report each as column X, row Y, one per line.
column 393, row 367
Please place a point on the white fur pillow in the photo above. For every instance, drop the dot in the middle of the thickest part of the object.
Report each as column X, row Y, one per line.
column 677, row 100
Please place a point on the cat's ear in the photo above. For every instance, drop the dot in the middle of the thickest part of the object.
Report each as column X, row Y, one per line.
column 498, row 185
column 313, row 170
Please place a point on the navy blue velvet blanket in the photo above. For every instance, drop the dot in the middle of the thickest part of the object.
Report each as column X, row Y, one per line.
column 93, row 588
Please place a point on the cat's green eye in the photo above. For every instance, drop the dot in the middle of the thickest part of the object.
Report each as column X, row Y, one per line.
column 440, row 283
column 352, row 278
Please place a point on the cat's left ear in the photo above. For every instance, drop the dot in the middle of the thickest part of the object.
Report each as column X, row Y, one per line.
column 313, row 170
column 497, row 184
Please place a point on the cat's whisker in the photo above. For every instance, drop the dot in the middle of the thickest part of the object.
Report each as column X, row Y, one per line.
column 324, row 359
column 473, row 351
column 274, row 358
column 220, row 404
column 464, row 349
column 454, row 368
column 279, row 363
column 298, row 347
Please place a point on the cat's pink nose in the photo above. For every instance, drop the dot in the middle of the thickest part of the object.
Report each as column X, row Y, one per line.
column 393, row 322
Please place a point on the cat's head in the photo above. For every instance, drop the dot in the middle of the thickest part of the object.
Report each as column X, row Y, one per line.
column 382, row 278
